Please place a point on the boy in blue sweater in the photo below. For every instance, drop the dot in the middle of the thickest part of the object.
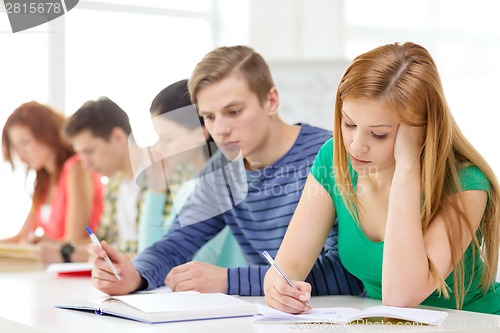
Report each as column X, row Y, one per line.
column 234, row 92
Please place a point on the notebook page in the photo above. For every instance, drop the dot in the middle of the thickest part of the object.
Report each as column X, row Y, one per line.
column 180, row 301
column 333, row 315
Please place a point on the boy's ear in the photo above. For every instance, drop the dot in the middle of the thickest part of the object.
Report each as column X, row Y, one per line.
column 117, row 135
column 273, row 101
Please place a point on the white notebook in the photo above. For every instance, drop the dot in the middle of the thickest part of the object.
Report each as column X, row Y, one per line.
column 339, row 315
column 70, row 267
column 166, row 307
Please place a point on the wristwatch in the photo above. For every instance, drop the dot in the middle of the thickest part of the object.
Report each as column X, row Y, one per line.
column 66, row 251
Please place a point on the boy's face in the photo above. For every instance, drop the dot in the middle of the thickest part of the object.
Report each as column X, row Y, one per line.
column 104, row 157
column 233, row 116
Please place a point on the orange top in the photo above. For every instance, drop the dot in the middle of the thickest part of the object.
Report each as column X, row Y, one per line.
column 55, row 226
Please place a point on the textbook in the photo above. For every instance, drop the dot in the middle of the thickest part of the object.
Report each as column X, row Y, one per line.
column 17, row 251
column 166, row 307
column 339, row 315
column 19, row 257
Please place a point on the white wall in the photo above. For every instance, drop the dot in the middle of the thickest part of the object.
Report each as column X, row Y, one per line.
column 463, row 37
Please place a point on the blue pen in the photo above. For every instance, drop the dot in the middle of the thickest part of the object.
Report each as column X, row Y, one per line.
column 94, row 239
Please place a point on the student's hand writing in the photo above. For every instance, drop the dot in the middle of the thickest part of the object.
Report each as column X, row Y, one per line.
column 409, row 144
column 197, row 276
column 102, row 276
column 280, row 295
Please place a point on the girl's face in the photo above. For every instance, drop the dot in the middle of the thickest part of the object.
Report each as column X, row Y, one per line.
column 369, row 132
column 34, row 153
column 176, row 141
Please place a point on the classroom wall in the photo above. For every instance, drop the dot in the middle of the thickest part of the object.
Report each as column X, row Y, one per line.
column 311, row 37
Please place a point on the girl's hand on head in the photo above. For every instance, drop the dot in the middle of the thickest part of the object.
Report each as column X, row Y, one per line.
column 409, row 144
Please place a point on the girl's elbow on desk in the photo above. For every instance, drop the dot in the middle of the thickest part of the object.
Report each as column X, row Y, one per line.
column 400, row 301
column 407, row 297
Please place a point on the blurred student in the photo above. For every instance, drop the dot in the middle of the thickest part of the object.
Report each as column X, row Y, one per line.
column 99, row 131
column 67, row 197
column 234, row 92
column 182, row 146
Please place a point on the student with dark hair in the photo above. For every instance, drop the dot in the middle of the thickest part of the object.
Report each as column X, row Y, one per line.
column 66, row 197
column 99, row 131
column 182, row 137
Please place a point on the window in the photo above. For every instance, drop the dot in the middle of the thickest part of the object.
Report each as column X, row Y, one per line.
column 24, row 77
column 130, row 57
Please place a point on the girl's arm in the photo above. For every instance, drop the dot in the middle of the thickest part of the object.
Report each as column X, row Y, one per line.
column 406, row 276
column 303, row 241
column 79, row 204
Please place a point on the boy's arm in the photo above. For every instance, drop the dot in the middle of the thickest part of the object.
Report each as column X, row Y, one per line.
column 176, row 247
column 327, row 277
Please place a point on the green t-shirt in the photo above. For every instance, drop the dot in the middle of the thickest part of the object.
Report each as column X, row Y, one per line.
column 363, row 257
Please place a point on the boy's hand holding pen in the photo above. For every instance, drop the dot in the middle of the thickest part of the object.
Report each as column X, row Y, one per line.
column 94, row 239
column 113, row 272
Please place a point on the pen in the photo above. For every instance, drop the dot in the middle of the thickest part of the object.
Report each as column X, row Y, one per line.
column 94, row 239
column 278, row 269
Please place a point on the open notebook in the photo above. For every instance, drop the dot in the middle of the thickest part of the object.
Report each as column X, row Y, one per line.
column 339, row 315
column 166, row 307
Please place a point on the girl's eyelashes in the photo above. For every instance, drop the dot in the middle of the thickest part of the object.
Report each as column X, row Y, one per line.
column 379, row 136
column 376, row 136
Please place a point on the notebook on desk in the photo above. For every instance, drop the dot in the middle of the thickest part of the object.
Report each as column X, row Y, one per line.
column 338, row 315
column 17, row 258
column 18, row 251
column 71, row 269
column 166, row 307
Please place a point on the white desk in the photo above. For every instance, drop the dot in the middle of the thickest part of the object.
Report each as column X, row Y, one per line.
column 27, row 299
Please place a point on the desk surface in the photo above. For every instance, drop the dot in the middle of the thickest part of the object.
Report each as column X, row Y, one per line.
column 27, row 305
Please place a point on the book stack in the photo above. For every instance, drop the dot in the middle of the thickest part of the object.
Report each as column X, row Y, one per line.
column 18, row 257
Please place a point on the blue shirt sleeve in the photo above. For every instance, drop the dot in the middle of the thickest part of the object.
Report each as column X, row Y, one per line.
column 177, row 247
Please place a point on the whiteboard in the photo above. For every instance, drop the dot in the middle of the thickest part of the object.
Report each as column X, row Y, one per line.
column 307, row 90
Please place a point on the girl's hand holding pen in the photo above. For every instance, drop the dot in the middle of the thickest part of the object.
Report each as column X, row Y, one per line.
column 281, row 296
column 103, row 277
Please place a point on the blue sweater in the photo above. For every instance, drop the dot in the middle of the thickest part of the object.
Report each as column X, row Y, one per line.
column 258, row 219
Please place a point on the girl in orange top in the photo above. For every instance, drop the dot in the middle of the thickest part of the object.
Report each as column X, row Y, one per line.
column 67, row 196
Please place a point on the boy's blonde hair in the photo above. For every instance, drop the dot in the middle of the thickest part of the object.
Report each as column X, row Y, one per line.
column 225, row 61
